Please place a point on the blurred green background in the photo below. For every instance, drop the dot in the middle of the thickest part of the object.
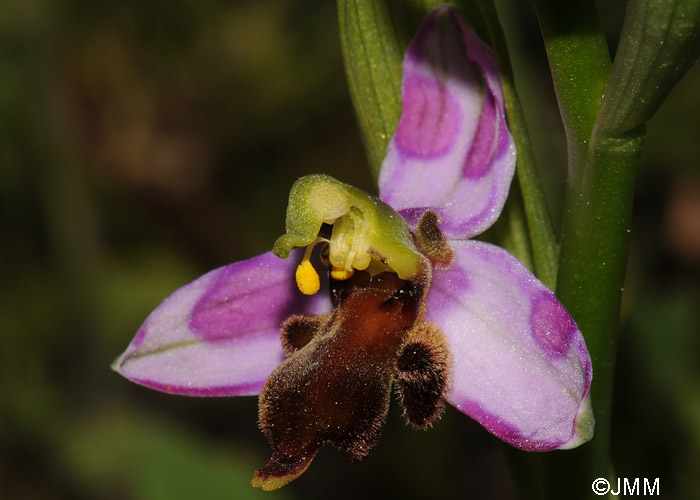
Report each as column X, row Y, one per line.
column 144, row 143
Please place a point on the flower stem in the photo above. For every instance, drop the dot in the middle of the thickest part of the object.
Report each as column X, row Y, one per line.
column 595, row 233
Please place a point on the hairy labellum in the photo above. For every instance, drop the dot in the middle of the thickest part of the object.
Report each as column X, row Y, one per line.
column 336, row 384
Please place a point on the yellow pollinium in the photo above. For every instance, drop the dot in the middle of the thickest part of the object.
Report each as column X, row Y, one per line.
column 307, row 278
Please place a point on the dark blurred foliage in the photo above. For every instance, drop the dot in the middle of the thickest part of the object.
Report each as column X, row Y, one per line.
column 144, row 143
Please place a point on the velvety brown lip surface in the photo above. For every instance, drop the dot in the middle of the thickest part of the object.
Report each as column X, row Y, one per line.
column 336, row 388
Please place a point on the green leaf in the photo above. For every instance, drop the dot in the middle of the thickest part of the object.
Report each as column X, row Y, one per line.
column 580, row 65
column 660, row 40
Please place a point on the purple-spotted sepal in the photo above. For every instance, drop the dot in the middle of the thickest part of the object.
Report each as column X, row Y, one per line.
column 520, row 365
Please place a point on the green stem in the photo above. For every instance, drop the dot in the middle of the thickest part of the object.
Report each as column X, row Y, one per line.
column 600, row 182
column 597, row 217
column 580, row 64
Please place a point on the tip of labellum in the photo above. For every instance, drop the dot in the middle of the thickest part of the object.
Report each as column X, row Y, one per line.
column 278, row 473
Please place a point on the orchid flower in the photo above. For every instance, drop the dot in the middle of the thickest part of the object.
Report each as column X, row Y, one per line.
column 410, row 300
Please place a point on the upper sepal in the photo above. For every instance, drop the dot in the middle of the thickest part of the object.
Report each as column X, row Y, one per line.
column 520, row 364
column 452, row 151
column 220, row 334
